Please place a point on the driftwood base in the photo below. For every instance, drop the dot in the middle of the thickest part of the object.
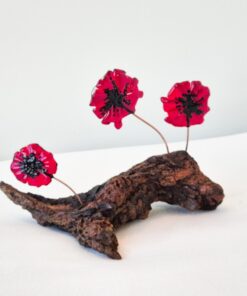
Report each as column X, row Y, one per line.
column 174, row 178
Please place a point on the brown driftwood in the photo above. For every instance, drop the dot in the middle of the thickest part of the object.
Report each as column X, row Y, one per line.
column 174, row 178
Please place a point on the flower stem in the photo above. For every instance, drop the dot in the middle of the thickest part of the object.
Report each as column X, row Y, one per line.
column 154, row 128
column 60, row 181
column 187, row 138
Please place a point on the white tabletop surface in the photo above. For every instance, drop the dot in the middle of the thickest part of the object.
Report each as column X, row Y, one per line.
column 173, row 252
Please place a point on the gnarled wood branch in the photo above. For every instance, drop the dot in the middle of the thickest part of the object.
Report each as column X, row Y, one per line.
column 174, row 178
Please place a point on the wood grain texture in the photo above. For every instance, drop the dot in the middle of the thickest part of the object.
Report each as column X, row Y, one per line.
column 174, row 178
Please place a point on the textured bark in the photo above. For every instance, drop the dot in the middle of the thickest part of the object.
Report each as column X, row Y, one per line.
column 174, row 178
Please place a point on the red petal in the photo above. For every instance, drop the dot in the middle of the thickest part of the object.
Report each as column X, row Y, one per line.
column 42, row 155
column 196, row 119
column 176, row 119
column 178, row 90
column 175, row 115
column 39, row 180
column 124, row 83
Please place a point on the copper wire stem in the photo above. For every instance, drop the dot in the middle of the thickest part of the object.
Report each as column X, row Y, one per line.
column 154, row 128
column 72, row 190
column 187, row 138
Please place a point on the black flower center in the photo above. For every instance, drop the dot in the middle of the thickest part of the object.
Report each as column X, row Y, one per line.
column 31, row 166
column 115, row 99
column 187, row 105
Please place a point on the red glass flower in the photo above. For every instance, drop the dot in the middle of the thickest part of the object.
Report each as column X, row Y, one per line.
column 34, row 165
column 186, row 103
column 115, row 97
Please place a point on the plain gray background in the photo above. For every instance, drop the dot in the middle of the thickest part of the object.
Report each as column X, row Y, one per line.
column 52, row 53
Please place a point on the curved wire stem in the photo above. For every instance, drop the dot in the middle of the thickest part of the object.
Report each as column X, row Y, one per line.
column 72, row 190
column 187, row 139
column 155, row 129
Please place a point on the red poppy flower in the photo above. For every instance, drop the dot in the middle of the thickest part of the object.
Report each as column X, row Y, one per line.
column 186, row 103
column 34, row 165
column 115, row 97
